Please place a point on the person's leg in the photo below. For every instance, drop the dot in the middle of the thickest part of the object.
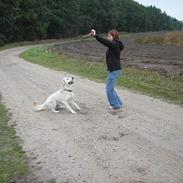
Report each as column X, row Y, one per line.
column 113, row 98
column 119, row 100
column 118, row 74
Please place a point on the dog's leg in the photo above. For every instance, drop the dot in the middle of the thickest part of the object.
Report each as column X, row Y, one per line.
column 55, row 111
column 60, row 106
column 76, row 105
column 53, row 106
column 68, row 107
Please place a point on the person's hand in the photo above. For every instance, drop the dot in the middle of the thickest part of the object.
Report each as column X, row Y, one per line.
column 93, row 32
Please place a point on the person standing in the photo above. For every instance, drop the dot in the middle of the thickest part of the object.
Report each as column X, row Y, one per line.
column 115, row 46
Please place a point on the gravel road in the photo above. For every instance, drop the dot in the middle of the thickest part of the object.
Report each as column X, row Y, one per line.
column 141, row 144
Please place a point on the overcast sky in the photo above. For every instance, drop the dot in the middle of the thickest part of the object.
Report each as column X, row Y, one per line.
column 174, row 8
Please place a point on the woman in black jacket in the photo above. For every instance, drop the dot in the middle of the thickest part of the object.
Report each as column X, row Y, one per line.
column 115, row 46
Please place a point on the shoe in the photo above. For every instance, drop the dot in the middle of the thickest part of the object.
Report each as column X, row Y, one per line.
column 115, row 111
column 110, row 107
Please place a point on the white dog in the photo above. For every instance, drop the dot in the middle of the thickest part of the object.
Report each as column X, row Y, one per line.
column 60, row 99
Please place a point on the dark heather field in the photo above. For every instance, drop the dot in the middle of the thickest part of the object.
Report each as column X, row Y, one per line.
column 165, row 59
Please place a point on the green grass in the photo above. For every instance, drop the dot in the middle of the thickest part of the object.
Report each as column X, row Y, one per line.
column 148, row 82
column 13, row 164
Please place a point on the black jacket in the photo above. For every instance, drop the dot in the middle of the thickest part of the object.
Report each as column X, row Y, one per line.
column 112, row 53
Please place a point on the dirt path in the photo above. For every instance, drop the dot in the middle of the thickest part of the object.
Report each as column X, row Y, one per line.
column 143, row 144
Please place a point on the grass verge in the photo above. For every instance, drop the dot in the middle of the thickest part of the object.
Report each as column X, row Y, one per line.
column 148, row 82
column 13, row 164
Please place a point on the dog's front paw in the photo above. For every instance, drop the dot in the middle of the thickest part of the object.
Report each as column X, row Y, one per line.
column 55, row 111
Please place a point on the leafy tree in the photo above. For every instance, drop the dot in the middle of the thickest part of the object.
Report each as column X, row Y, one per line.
column 33, row 18
column 8, row 12
column 64, row 18
column 39, row 19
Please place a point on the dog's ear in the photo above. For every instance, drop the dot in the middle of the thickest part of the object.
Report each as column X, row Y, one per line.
column 64, row 80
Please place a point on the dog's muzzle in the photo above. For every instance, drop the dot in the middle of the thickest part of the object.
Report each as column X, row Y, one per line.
column 71, row 82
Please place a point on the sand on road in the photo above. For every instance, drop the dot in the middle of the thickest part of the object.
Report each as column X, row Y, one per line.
column 141, row 144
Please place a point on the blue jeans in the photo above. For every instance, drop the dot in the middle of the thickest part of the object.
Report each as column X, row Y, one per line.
column 112, row 96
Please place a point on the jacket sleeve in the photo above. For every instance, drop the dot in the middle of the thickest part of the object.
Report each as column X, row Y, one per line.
column 105, row 42
column 122, row 46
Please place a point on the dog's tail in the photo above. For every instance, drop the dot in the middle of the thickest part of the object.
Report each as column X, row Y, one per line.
column 34, row 104
column 37, row 107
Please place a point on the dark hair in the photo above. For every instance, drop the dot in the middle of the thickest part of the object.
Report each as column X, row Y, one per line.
column 114, row 34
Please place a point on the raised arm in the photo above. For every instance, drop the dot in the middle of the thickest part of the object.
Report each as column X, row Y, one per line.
column 105, row 42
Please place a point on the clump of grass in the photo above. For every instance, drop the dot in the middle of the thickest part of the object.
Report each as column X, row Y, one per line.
column 149, row 82
column 150, row 39
column 13, row 164
column 174, row 38
column 170, row 38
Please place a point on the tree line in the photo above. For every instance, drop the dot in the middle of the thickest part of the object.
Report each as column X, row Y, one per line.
column 40, row 19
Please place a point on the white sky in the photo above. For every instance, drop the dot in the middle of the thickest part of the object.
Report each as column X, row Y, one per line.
column 173, row 8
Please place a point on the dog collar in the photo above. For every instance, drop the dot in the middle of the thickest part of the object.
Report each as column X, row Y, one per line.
column 68, row 90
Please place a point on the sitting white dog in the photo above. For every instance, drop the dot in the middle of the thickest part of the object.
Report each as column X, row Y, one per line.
column 60, row 99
